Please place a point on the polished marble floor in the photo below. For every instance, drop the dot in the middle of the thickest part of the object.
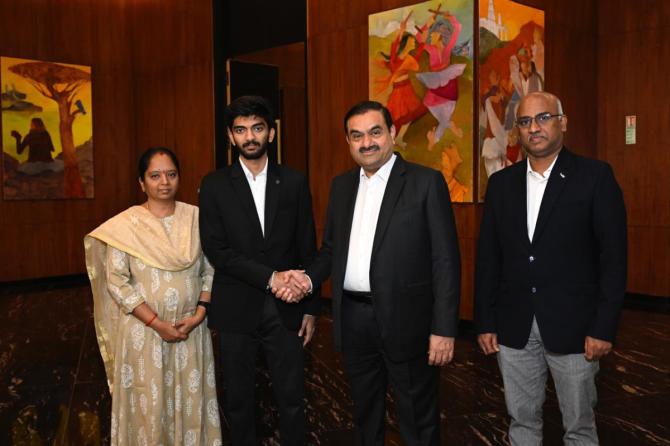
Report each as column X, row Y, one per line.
column 53, row 391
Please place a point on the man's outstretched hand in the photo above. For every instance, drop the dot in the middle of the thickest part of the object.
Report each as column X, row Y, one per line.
column 291, row 286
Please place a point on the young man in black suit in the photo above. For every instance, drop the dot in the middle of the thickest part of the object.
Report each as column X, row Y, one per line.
column 255, row 220
column 391, row 249
column 550, row 275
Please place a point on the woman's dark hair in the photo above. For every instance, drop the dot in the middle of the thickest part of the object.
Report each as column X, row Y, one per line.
column 145, row 159
column 246, row 106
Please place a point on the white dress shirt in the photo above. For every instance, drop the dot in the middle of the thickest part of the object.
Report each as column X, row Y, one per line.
column 257, row 186
column 536, row 183
column 368, row 203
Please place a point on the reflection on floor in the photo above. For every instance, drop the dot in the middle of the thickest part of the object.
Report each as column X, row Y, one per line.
column 53, row 390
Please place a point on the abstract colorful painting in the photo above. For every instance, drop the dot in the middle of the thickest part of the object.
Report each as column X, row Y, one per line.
column 511, row 65
column 421, row 68
column 47, row 130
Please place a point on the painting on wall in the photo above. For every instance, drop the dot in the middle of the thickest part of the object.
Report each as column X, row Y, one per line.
column 421, row 67
column 511, row 65
column 47, row 130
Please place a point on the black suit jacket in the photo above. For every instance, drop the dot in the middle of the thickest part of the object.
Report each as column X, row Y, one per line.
column 572, row 276
column 415, row 265
column 242, row 257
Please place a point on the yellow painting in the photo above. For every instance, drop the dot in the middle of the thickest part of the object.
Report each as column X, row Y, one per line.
column 511, row 65
column 421, row 68
column 47, row 130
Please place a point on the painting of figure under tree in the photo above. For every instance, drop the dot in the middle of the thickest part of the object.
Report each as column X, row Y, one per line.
column 47, row 130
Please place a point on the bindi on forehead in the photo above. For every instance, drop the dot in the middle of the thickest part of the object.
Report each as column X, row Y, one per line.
column 162, row 164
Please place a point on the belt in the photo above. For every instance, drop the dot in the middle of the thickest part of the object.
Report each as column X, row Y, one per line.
column 359, row 296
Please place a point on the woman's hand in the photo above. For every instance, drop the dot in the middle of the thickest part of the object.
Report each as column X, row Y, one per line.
column 168, row 332
column 187, row 324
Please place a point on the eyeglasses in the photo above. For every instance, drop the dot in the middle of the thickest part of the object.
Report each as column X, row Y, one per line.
column 540, row 119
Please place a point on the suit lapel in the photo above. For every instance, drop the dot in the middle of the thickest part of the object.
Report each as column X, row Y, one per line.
column 272, row 194
column 555, row 184
column 395, row 185
column 519, row 197
column 243, row 192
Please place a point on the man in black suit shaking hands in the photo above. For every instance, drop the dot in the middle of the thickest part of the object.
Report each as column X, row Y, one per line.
column 390, row 247
column 256, row 219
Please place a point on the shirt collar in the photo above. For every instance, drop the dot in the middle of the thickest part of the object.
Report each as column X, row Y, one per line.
column 545, row 174
column 249, row 174
column 384, row 172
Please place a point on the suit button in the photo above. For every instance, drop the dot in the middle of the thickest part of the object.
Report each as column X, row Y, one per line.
column 531, row 259
column 533, row 290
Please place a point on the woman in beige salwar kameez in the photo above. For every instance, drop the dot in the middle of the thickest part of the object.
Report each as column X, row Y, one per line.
column 151, row 289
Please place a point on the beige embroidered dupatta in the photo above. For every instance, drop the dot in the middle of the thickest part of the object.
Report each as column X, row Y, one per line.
column 140, row 234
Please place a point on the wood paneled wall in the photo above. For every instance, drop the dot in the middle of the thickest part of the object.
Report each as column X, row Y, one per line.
column 634, row 79
column 152, row 85
column 338, row 78
column 571, row 65
column 173, row 86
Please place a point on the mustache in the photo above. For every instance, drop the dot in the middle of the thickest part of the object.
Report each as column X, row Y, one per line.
column 368, row 148
column 536, row 134
column 250, row 144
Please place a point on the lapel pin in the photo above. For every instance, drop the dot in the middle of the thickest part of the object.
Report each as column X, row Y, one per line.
column 276, row 181
column 561, row 174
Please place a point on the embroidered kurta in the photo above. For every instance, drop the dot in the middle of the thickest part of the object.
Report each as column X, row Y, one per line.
column 162, row 393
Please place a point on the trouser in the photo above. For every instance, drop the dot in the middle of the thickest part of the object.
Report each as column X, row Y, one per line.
column 524, row 375
column 284, row 354
column 415, row 384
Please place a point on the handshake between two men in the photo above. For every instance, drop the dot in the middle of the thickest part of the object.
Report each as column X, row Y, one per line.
column 290, row 286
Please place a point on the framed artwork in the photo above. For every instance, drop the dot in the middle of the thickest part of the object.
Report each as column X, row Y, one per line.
column 511, row 65
column 421, row 67
column 47, row 130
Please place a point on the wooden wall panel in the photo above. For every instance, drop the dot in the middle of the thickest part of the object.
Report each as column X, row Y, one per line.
column 338, row 78
column 571, row 62
column 194, row 126
column 173, row 87
column 151, row 65
column 294, row 131
column 633, row 79
column 152, row 84
column 335, row 82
